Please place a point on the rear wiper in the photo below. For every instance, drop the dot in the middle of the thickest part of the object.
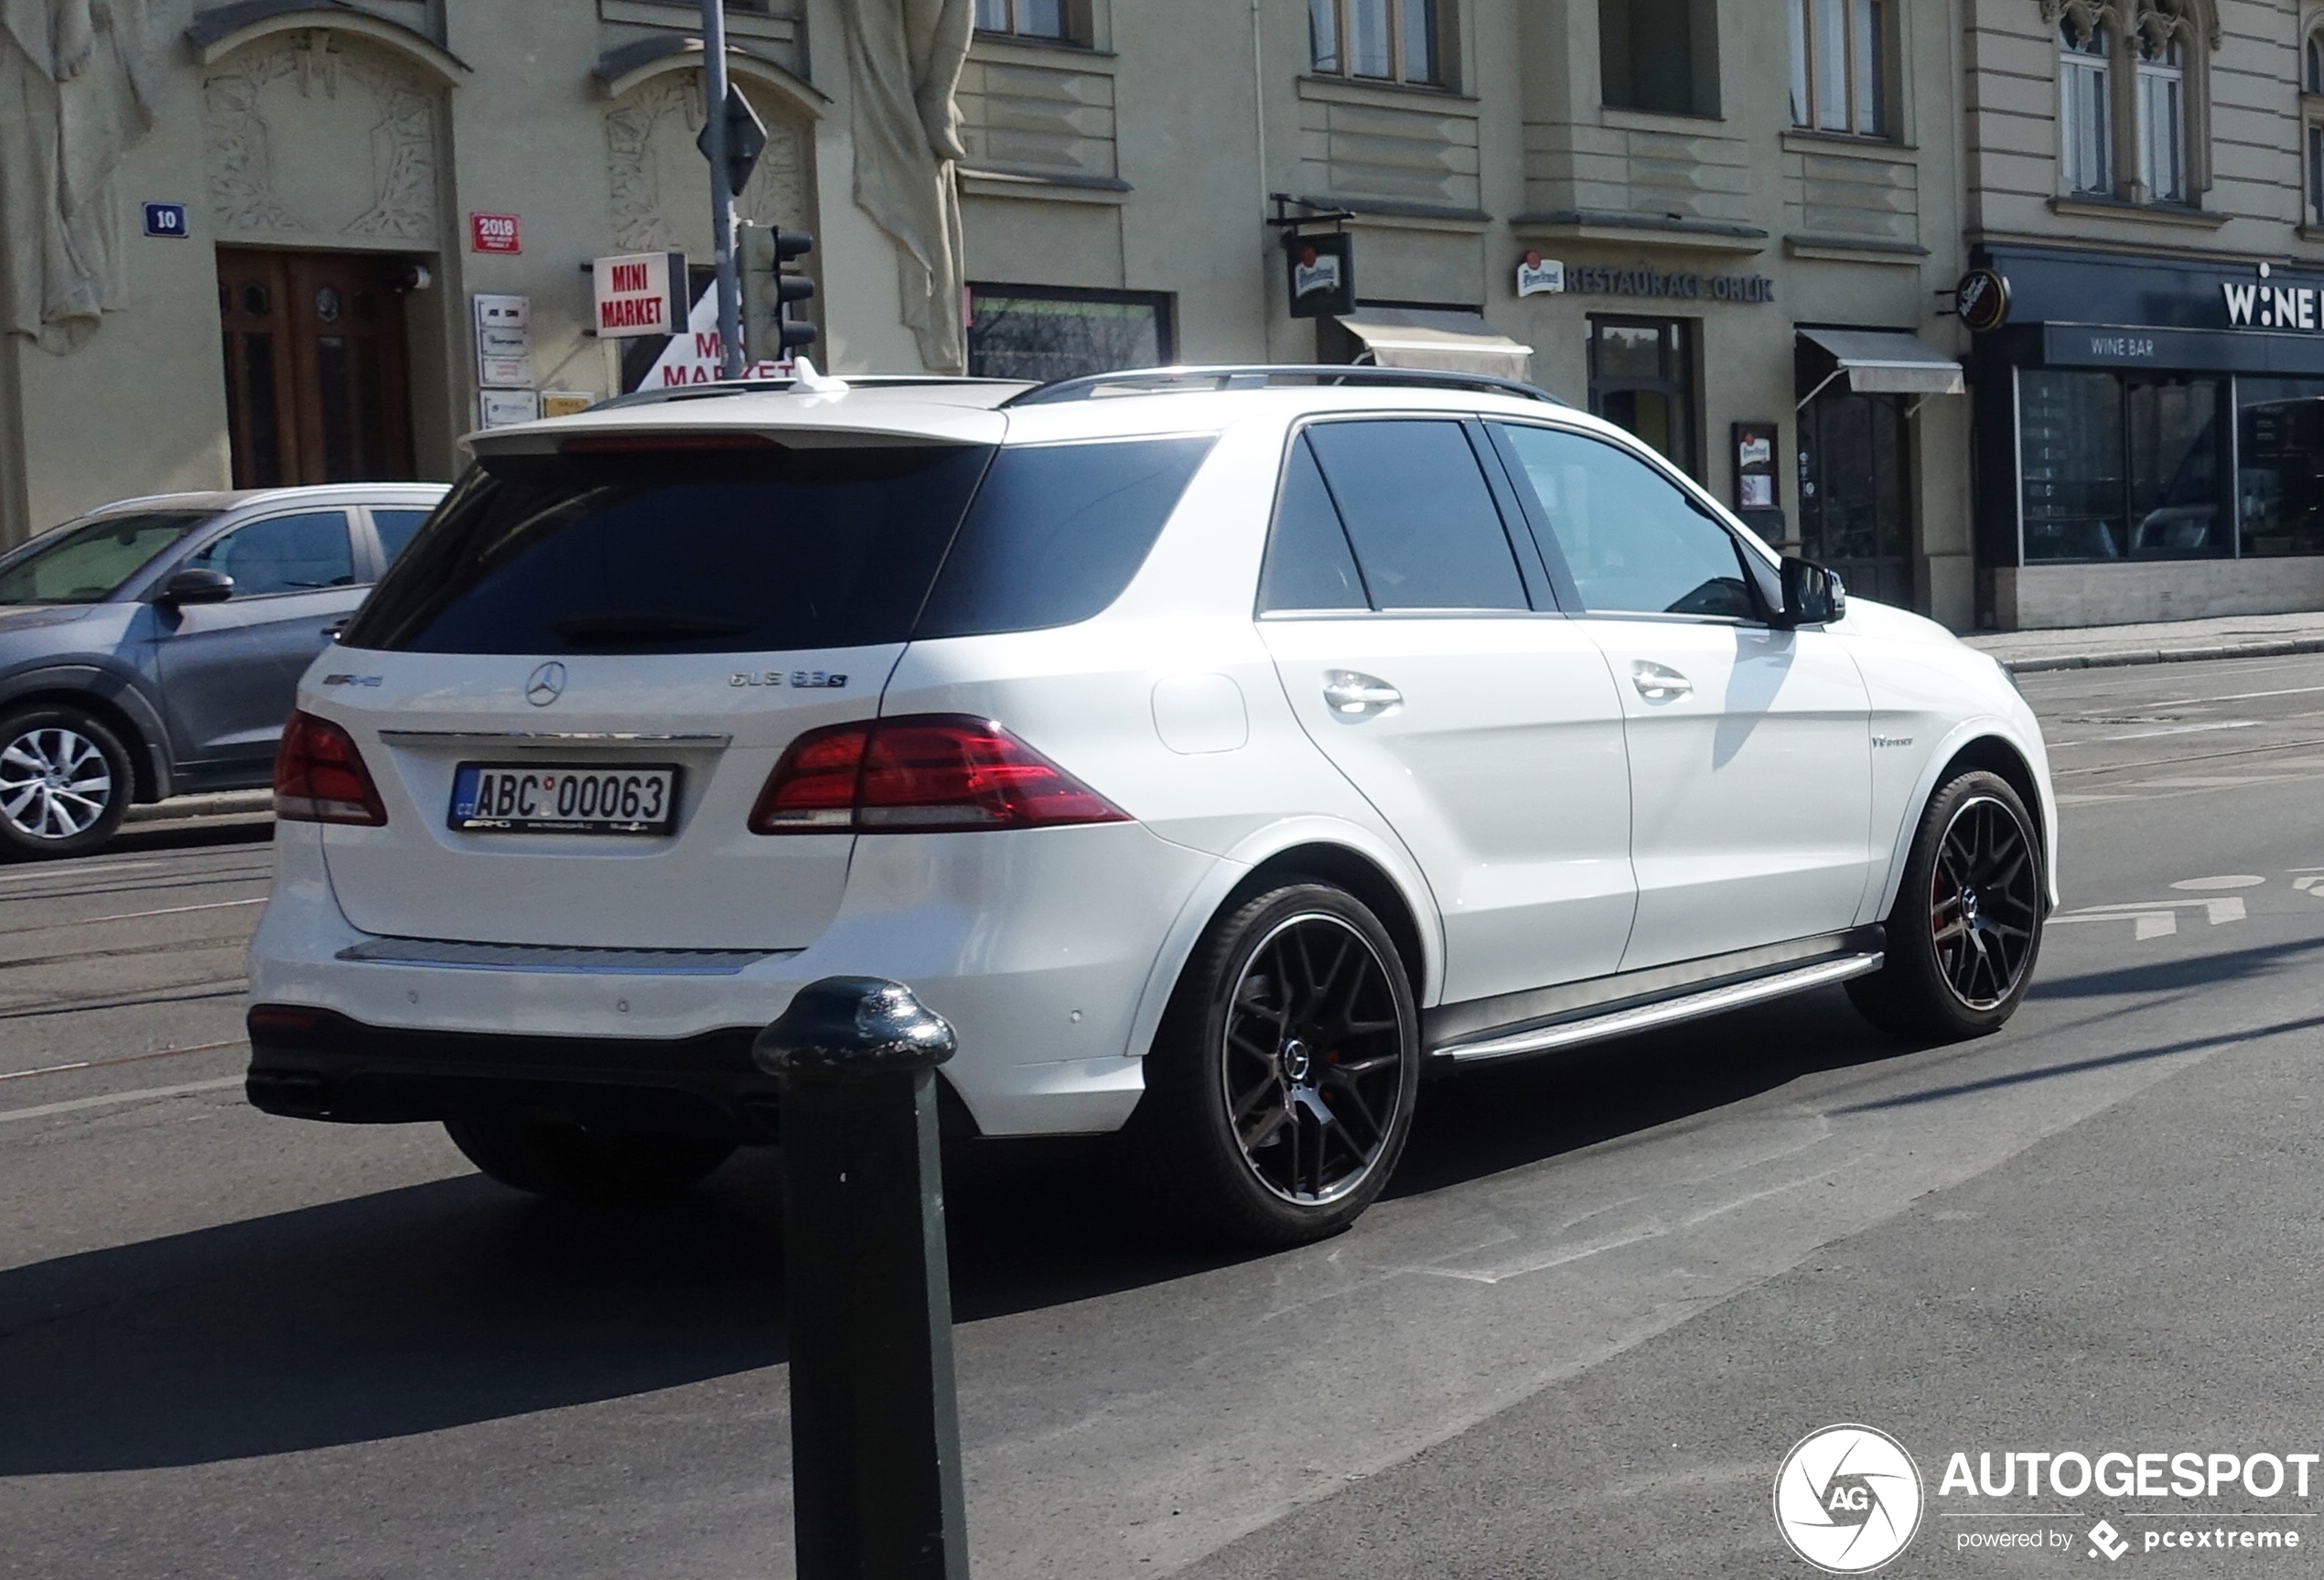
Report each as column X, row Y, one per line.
column 623, row 630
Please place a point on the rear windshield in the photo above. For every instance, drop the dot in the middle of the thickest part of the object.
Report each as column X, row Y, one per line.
column 775, row 550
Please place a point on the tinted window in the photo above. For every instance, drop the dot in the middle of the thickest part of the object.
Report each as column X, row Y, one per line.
column 1309, row 565
column 1422, row 522
column 83, row 563
column 1631, row 539
column 282, row 554
column 1056, row 533
column 395, row 528
column 702, row 550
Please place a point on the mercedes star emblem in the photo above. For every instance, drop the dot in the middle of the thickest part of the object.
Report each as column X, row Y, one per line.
column 546, row 684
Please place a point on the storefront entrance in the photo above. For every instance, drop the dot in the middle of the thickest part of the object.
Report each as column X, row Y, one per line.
column 1641, row 377
column 1855, row 492
column 318, row 377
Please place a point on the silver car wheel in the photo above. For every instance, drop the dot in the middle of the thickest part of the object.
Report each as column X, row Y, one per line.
column 54, row 783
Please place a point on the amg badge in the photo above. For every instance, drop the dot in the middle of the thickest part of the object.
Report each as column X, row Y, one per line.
column 804, row 680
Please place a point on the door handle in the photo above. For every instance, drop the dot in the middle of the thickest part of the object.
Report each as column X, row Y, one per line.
column 1659, row 682
column 1351, row 695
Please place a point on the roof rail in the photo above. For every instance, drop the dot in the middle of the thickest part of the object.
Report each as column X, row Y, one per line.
column 776, row 386
column 1258, row 376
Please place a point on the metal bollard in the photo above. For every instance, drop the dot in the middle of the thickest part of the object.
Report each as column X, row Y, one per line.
column 875, row 1425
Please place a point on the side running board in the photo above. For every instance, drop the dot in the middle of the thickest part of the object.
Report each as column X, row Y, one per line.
column 1571, row 1033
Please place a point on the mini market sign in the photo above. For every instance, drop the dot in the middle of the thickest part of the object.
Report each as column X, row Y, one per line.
column 640, row 294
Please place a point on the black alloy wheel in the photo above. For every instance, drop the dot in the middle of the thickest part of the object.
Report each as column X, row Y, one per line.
column 1967, row 929
column 1985, row 902
column 1280, row 1090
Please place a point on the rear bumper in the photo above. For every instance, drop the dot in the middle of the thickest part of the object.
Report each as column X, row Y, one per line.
column 318, row 1064
column 1037, row 946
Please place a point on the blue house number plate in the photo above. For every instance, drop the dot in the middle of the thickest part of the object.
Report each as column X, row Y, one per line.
column 165, row 219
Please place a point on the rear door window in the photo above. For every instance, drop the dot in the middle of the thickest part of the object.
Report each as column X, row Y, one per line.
column 1419, row 514
column 1309, row 565
column 396, row 527
column 1056, row 533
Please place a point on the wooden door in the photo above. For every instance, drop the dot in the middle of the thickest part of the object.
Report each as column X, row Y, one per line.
column 317, row 382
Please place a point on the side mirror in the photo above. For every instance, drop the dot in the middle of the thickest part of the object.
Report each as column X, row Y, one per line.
column 1813, row 595
column 197, row 587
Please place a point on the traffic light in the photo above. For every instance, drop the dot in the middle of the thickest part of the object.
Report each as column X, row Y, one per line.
column 770, row 334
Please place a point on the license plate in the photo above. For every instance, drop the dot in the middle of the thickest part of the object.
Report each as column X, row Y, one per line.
column 564, row 798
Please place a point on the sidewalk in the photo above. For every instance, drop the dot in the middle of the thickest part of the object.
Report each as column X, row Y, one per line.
column 2099, row 646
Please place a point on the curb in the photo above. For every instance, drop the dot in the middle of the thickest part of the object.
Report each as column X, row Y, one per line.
column 2163, row 656
column 218, row 804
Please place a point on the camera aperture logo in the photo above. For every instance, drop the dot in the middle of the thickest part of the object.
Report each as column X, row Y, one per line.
column 1847, row 1499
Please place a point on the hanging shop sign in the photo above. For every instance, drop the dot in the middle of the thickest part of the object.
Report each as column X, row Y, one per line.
column 1598, row 280
column 1537, row 275
column 640, row 294
column 1982, row 299
column 1321, row 273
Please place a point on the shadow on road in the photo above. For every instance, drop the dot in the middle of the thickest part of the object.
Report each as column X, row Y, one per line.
column 440, row 1305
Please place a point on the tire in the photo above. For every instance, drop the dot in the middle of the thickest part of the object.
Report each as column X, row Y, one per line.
column 1284, row 1136
column 568, row 1161
column 64, row 782
column 1966, row 930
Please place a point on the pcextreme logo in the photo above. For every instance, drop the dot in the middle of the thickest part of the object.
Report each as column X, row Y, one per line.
column 1847, row 1499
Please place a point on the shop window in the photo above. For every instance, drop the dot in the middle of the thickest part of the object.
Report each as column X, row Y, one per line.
column 1840, row 65
column 1641, row 378
column 1660, row 56
column 1058, row 19
column 2085, row 146
column 2162, row 120
column 2280, row 447
column 2120, row 467
column 1043, row 333
column 1389, row 40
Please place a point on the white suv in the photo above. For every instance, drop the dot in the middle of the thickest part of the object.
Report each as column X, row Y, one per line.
column 1215, row 749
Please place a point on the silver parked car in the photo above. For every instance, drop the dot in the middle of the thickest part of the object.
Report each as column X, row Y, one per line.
column 153, row 648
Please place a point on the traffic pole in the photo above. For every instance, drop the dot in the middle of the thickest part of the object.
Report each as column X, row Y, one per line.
column 875, row 1423
column 722, row 192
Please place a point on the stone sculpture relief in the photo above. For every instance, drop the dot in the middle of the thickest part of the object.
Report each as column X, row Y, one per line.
column 75, row 97
column 661, row 186
column 288, row 116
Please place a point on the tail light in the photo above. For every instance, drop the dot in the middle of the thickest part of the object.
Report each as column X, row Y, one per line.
column 925, row 773
column 319, row 777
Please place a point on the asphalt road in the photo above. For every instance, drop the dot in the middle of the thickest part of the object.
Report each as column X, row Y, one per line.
column 1602, row 1301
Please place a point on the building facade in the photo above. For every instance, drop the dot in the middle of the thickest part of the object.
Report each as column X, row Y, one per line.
column 320, row 238
column 2145, row 193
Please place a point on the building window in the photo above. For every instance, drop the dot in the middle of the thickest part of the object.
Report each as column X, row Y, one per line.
column 1027, row 18
column 2315, row 175
column 1391, row 40
column 1660, row 56
column 2280, row 465
column 1043, row 333
column 2085, row 96
column 2116, row 466
column 2312, row 81
column 1840, row 65
column 1641, row 378
column 2162, row 120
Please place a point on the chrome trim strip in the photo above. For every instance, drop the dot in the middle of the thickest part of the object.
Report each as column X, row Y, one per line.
column 560, row 737
column 445, row 954
column 1667, row 1012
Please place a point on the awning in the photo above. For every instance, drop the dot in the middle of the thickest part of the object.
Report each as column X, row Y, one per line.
column 1450, row 341
column 1886, row 362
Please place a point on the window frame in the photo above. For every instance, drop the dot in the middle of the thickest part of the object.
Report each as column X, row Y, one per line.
column 1074, row 18
column 2079, row 70
column 1440, row 30
column 1164, row 304
column 1857, row 79
column 2162, row 131
column 2312, row 125
column 2137, row 134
